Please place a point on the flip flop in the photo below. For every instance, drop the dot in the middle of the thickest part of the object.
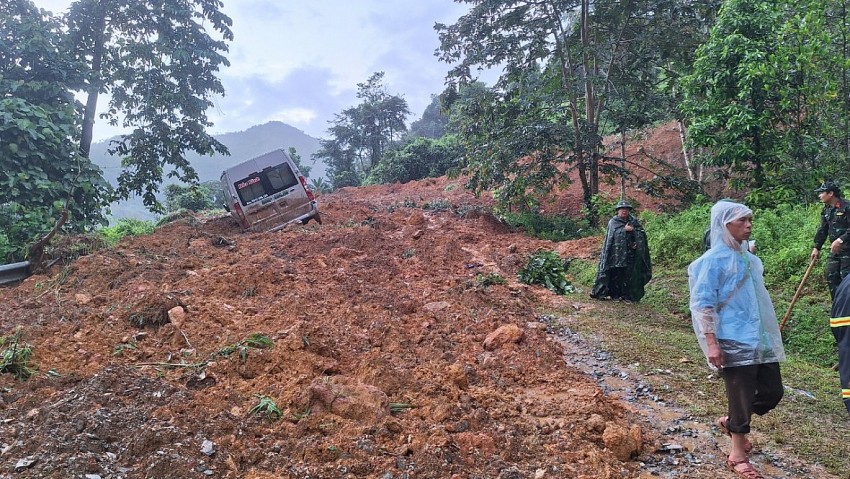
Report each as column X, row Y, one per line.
column 721, row 426
column 743, row 469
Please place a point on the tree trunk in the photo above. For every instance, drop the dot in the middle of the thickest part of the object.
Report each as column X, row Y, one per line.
column 681, row 128
column 95, row 84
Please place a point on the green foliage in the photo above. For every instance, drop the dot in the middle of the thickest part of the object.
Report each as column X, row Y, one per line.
column 125, row 227
column 266, row 407
column 761, row 98
column 676, row 240
column 549, row 227
column 254, row 341
column 319, row 186
column 205, row 196
column 570, row 70
column 547, row 268
column 399, row 407
column 489, row 280
column 419, row 158
column 41, row 169
column 158, row 66
column 15, row 356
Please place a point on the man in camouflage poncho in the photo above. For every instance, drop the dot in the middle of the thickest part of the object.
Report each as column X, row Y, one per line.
column 624, row 264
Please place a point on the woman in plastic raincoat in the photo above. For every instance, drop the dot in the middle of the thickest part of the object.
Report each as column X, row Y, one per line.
column 736, row 326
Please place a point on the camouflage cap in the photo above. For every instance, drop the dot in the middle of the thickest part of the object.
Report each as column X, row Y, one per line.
column 827, row 186
column 623, row 204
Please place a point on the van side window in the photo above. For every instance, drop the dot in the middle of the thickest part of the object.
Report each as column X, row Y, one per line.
column 268, row 182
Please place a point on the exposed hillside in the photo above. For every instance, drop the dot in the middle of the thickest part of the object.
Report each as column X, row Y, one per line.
column 242, row 145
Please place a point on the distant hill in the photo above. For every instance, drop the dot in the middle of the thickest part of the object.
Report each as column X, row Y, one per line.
column 242, row 145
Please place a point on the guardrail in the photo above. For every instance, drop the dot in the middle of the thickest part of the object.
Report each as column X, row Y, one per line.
column 10, row 273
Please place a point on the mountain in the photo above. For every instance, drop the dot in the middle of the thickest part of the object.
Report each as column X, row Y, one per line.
column 243, row 145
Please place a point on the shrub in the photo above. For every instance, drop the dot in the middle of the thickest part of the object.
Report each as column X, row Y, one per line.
column 125, row 227
column 546, row 267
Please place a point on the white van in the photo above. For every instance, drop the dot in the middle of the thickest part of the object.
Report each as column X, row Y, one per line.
column 268, row 192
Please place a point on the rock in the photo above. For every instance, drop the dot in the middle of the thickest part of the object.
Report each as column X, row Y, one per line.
column 345, row 397
column 25, row 463
column 436, row 306
column 506, row 334
column 177, row 316
column 457, row 375
column 207, row 447
column 596, row 423
column 82, row 299
column 417, row 218
column 622, row 442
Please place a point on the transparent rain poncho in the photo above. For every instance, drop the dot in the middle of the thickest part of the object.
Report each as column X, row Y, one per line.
column 728, row 296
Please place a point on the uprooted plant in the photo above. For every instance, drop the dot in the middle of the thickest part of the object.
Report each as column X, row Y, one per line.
column 255, row 341
column 547, row 268
column 15, row 357
column 266, row 407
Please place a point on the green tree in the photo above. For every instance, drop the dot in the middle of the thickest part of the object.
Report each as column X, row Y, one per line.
column 360, row 135
column 433, row 121
column 582, row 49
column 296, row 158
column 760, row 100
column 205, row 196
column 43, row 178
column 158, row 62
column 420, row 158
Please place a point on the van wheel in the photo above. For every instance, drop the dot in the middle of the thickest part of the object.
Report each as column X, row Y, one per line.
column 316, row 217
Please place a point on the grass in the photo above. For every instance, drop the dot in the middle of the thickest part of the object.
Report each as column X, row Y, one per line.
column 657, row 335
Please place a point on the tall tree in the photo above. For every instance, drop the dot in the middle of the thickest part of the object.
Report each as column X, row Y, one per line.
column 581, row 46
column 43, row 177
column 157, row 60
column 361, row 134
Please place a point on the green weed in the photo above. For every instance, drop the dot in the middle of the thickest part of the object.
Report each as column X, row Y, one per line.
column 254, row 341
column 266, row 407
column 15, row 356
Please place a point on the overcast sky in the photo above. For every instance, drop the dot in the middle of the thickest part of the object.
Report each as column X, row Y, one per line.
column 299, row 61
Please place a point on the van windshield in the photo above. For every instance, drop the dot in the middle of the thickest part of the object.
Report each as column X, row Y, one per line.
column 265, row 183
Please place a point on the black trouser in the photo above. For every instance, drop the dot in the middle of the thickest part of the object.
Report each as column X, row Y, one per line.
column 755, row 389
column 837, row 268
column 842, row 338
column 618, row 282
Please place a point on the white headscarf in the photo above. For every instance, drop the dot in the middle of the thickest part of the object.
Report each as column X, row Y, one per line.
column 722, row 213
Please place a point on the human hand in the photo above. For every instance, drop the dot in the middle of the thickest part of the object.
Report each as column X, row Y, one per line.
column 715, row 355
column 815, row 254
column 629, row 227
column 836, row 246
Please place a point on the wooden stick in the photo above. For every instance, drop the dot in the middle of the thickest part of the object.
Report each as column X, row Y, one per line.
column 797, row 294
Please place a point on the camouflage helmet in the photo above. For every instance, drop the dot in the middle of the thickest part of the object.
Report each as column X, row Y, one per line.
column 622, row 204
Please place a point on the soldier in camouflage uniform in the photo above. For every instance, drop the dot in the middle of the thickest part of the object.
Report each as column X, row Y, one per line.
column 624, row 264
column 835, row 225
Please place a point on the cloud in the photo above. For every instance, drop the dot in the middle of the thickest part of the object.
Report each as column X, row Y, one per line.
column 300, row 61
